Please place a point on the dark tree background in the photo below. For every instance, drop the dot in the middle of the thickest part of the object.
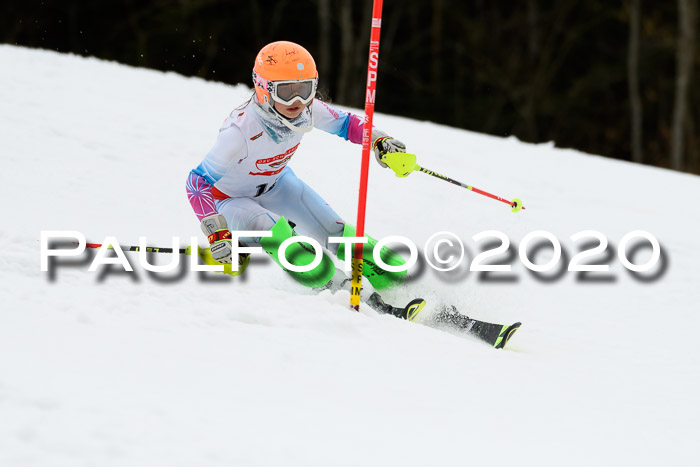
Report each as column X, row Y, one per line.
column 612, row 77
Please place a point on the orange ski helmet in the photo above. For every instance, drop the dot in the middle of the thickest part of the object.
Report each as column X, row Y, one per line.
column 284, row 72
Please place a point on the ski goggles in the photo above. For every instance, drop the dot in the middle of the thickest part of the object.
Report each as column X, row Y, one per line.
column 286, row 92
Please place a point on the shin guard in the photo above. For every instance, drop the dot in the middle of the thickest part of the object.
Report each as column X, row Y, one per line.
column 378, row 277
column 298, row 254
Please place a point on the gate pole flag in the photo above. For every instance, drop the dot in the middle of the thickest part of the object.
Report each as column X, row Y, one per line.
column 370, row 96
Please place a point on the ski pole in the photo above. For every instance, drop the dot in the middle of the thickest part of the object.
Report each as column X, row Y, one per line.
column 204, row 253
column 149, row 249
column 403, row 164
column 516, row 203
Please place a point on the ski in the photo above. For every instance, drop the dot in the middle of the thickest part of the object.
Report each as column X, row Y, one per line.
column 496, row 335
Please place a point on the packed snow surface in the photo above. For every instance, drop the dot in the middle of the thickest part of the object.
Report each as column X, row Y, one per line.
column 199, row 369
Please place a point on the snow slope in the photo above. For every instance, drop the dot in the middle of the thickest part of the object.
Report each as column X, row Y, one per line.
column 191, row 369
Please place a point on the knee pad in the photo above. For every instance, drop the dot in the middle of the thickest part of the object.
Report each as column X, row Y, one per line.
column 298, row 254
column 378, row 277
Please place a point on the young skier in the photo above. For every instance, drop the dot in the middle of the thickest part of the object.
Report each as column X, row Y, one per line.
column 244, row 183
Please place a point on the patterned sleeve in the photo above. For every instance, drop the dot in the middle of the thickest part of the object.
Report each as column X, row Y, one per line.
column 200, row 195
column 337, row 122
column 229, row 147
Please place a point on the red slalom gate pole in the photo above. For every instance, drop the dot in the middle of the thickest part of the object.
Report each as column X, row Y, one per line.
column 372, row 67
